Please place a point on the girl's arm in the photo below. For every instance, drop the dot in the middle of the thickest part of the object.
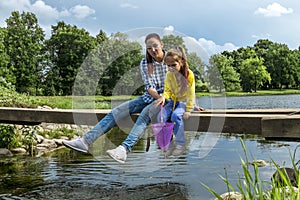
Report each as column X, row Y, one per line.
column 191, row 95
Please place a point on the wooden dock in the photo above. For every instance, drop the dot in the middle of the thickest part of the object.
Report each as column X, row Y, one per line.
column 269, row 123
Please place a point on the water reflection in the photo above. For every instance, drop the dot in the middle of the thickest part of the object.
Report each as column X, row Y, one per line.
column 74, row 175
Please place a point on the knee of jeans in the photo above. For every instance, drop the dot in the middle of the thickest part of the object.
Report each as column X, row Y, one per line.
column 175, row 117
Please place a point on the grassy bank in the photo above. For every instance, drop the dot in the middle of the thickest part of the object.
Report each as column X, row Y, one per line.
column 10, row 98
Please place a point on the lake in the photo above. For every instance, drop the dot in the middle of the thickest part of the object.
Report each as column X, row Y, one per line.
column 67, row 174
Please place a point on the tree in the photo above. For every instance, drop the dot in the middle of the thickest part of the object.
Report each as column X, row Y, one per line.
column 222, row 74
column 281, row 65
column 118, row 56
column 101, row 37
column 172, row 42
column 68, row 47
column 253, row 74
column 197, row 66
column 24, row 42
column 297, row 68
column 4, row 59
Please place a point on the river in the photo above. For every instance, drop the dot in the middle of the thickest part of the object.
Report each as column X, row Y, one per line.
column 66, row 174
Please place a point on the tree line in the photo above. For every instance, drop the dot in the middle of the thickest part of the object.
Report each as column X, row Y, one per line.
column 72, row 61
column 266, row 65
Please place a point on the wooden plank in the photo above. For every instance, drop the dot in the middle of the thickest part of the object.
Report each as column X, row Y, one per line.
column 225, row 123
column 269, row 123
column 281, row 127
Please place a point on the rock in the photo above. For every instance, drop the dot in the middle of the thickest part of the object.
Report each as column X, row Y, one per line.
column 58, row 141
column 5, row 152
column 41, row 150
column 50, row 144
column 288, row 173
column 259, row 163
column 50, row 127
column 39, row 138
column 64, row 138
column 19, row 151
column 44, row 107
column 231, row 196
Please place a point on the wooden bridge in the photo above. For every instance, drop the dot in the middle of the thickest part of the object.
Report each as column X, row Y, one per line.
column 280, row 124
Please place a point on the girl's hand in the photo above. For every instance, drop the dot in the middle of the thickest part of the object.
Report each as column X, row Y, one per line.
column 186, row 115
column 160, row 101
column 198, row 108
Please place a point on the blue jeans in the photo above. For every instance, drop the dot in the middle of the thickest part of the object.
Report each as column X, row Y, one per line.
column 176, row 117
column 120, row 112
column 140, row 125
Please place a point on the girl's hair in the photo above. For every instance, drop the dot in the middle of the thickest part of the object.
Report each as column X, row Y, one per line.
column 179, row 55
column 148, row 56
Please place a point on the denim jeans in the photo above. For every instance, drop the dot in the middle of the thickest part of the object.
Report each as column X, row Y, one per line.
column 146, row 116
column 136, row 105
column 176, row 117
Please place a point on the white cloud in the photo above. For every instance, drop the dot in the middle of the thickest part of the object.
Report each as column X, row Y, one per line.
column 47, row 13
column 261, row 36
column 204, row 48
column 128, row 5
column 14, row 5
column 212, row 48
column 168, row 30
column 81, row 12
column 274, row 10
column 194, row 46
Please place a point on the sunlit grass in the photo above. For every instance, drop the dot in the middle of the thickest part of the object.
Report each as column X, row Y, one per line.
column 251, row 187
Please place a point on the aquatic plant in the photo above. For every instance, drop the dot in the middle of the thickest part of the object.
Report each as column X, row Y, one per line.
column 250, row 186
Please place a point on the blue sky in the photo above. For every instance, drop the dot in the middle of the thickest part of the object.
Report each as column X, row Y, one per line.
column 216, row 25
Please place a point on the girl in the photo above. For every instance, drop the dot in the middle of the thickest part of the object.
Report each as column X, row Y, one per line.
column 180, row 87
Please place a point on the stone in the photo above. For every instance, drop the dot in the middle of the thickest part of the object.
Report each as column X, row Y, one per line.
column 231, row 196
column 19, row 150
column 5, row 152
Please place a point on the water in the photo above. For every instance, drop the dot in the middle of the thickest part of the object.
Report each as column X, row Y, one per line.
column 250, row 102
column 66, row 174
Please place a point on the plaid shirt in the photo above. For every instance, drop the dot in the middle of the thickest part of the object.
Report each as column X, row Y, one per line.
column 155, row 81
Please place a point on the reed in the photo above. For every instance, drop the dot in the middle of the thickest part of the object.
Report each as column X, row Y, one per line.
column 281, row 186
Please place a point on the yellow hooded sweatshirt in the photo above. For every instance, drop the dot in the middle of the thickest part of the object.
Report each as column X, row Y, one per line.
column 172, row 90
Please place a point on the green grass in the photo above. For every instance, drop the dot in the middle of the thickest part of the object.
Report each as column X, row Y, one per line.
column 252, row 187
column 10, row 98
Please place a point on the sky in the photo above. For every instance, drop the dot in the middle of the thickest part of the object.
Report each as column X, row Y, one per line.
column 214, row 25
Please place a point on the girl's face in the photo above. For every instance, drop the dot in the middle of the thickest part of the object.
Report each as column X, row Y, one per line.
column 173, row 64
column 154, row 48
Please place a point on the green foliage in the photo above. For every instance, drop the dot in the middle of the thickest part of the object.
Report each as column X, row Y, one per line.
column 74, row 62
column 172, row 41
column 10, row 98
column 196, row 65
column 253, row 74
column 252, row 187
column 112, row 67
column 68, row 47
column 59, row 132
column 8, row 136
column 29, row 139
column 4, row 58
column 24, row 45
column 222, row 75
